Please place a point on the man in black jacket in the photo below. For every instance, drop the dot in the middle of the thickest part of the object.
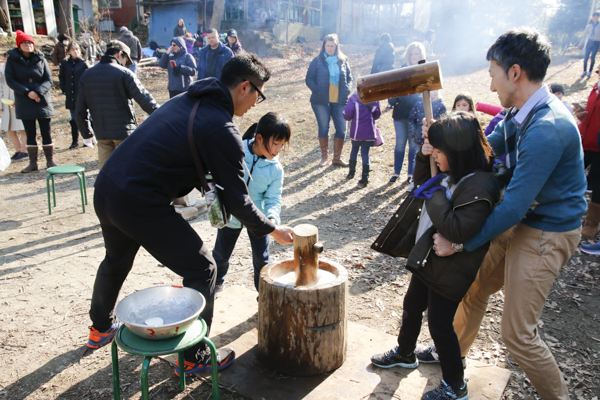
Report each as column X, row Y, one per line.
column 155, row 165
column 107, row 90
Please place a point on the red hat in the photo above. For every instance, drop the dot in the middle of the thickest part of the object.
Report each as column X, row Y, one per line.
column 23, row 37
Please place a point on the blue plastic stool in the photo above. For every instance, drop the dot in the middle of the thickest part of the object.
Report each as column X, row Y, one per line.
column 139, row 346
column 63, row 170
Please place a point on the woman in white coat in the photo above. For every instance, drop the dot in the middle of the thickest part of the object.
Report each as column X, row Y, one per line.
column 10, row 123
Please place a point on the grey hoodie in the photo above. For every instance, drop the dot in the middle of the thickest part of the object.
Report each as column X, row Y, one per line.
column 130, row 40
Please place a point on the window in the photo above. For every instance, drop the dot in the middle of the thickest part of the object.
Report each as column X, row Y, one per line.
column 109, row 3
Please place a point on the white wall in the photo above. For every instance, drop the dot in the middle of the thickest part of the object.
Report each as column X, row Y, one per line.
column 87, row 11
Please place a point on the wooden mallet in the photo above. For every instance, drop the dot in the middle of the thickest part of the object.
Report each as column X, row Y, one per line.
column 420, row 78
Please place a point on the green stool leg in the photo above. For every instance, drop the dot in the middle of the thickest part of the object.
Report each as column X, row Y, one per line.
column 144, row 379
column 214, row 370
column 115, row 371
column 84, row 187
column 81, row 190
column 53, row 191
column 181, row 371
column 48, row 191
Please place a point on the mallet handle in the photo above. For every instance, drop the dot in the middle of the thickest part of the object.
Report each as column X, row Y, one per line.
column 429, row 117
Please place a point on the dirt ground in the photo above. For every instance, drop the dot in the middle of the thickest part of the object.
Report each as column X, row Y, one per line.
column 48, row 262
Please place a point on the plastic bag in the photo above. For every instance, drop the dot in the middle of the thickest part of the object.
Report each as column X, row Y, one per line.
column 4, row 156
column 217, row 215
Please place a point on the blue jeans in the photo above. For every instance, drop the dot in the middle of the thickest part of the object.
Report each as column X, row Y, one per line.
column 402, row 138
column 324, row 113
column 364, row 153
column 133, row 68
column 591, row 48
column 226, row 240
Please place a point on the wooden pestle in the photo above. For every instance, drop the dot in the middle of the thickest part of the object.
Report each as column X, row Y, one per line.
column 419, row 78
column 306, row 254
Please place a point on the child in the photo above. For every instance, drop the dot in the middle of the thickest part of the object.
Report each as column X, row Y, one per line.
column 463, row 155
column 10, row 123
column 415, row 120
column 464, row 102
column 559, row 91
column 363, row 132
column 264, row 177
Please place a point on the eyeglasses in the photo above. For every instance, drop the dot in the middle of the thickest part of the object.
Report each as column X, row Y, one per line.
column 261, row 96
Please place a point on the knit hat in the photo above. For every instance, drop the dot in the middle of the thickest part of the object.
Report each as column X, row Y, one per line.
column 23, row 37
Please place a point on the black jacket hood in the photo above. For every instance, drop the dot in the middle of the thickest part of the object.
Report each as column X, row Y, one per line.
column 213, row 88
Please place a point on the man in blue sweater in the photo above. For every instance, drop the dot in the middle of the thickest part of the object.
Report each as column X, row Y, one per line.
column 537, row 227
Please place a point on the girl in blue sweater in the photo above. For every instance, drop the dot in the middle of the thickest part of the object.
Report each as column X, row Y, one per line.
column 264, row 176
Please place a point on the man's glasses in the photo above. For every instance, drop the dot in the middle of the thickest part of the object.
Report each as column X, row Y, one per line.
column 261, row 96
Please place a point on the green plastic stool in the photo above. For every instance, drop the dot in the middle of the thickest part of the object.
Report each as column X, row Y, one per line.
column 139, row 346
column 64, row 170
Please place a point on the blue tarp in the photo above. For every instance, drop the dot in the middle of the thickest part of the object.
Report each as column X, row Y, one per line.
column 163, row 20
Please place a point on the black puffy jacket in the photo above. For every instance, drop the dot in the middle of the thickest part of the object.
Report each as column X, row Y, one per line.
column 108, row 90
column 317, row 80
column 384, row 59
column 25, row 75
column 69, row 75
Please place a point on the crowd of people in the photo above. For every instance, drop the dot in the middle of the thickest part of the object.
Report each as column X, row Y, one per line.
column 482, row 220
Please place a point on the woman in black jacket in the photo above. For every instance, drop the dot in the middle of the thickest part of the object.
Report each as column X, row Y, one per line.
column 402, row 106
column 329, row 79
column 28, row 74
column 70, row 72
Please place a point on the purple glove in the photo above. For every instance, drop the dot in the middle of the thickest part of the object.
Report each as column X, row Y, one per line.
column 425, row 191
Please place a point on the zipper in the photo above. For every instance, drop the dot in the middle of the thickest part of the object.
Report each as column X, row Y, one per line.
column 471, row 202
column 400, row 219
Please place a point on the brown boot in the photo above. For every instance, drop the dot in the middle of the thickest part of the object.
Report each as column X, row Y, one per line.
column 592, row 220
column 48, row 150
column 324, row 144
column 338, row 145
column 33, row 153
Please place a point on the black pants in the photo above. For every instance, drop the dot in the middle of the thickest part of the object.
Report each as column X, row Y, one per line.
column 419, row 298
column 173, row 93
column 591, row 47
column 166, row 236
column 29, row 125
column 592, row 159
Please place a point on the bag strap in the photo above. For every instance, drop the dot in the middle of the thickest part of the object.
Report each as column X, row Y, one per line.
column 194, row 151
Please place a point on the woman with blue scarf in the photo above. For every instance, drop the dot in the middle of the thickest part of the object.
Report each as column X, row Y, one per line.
column 329, row 79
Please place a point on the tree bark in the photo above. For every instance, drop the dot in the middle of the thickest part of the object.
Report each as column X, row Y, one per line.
column 65, row 18
column 217, row 15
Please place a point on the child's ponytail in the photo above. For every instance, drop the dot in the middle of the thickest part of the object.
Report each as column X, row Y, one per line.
column 251, row 132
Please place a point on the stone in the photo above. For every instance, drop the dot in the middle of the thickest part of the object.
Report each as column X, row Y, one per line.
column 188, row 213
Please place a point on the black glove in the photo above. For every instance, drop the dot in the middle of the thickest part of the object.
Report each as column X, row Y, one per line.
column 176, row 70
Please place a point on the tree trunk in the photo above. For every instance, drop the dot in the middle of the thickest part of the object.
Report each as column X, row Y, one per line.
column 217, row 15
column 65, row 18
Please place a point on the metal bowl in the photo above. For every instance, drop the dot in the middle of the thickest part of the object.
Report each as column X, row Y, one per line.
column 178, row 307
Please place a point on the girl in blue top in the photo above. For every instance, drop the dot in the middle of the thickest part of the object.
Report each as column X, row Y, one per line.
column 264, row 176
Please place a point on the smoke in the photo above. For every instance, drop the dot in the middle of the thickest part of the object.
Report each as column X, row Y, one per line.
column 465, row 30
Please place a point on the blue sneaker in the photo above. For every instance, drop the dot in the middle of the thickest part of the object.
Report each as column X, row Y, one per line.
column 99, row 339
column 225, row 357
column 446, row 392
column 593, row 249
column 391, row 359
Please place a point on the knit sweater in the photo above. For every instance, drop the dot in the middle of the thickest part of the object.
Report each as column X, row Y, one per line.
column 548, row 185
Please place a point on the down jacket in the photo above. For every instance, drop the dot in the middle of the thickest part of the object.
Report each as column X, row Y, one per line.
column 69, row 75
column 458, row 220
column 265, row 187
column 25, row 75
column 155, row 165
column 108, row 90
column 317, row 80
column 363, row 117
column 182, row 76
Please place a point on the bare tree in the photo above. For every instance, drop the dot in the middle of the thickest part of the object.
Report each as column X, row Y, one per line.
column 65, row 18
column 217, row 15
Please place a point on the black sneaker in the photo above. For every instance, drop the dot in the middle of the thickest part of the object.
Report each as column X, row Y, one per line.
column 391, row 359
column 445, row 392
column 429, row 355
